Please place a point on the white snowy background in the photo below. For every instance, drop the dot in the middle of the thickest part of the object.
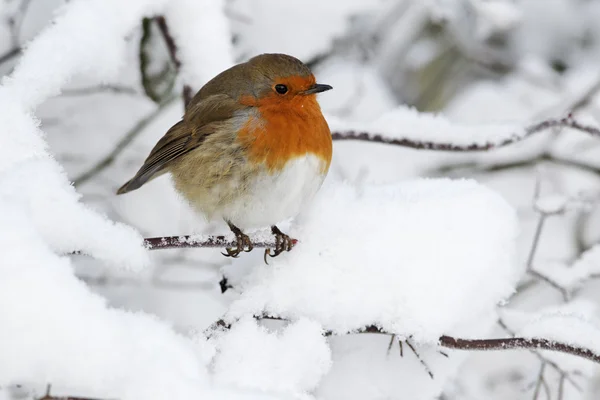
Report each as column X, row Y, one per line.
column 417, row 243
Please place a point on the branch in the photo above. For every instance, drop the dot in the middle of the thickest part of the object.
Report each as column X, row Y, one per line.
column 172, row 46
column 518, row 343
column 458, row 343
column 567, row 122
column 10, row 54
column 190, row 241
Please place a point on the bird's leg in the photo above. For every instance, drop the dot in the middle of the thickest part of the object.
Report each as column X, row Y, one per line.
column 243, row 242
column 282, row 243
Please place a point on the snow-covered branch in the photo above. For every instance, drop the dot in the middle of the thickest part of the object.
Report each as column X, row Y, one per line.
column 460, row 343
column 483, row 138
column 190, row 241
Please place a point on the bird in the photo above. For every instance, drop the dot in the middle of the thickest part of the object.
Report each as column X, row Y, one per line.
column 252, row 148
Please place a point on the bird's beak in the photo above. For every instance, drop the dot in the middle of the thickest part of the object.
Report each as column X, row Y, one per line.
column 317, row 88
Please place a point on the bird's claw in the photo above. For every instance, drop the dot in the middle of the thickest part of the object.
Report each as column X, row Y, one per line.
column 282, row 243
column 243, row 243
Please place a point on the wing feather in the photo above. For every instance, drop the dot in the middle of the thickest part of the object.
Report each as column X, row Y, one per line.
column 185, row 136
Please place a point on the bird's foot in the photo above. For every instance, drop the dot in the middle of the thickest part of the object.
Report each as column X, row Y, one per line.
column 282, row 243
column 243, row 242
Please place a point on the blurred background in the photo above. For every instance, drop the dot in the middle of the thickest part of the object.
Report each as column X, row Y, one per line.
column 474, row 61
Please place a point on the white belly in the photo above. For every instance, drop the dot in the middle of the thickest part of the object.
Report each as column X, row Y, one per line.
column 272, row 198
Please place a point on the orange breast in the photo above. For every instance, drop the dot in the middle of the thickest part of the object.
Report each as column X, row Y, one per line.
column 284, row 130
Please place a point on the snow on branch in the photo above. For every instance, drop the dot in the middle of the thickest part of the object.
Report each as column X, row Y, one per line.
column 408, row 128
column 190, row 241
column 450, row 342
column 403, row 126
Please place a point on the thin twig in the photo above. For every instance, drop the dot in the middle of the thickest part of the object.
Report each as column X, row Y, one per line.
column 536, row 239
column 540, row 378
column 83, row 91
column 503, row 166
column 172, row 47
column 561, row 387
column 10, row 54
column 122, row 144
column 542, row 358
column 423, row 363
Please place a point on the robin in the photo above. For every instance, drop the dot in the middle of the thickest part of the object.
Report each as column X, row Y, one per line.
column 252, row 148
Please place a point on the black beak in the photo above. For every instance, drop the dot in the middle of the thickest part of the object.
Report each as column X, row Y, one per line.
column 317, row 88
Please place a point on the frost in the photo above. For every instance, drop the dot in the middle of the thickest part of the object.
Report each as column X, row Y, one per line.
column 414, row 259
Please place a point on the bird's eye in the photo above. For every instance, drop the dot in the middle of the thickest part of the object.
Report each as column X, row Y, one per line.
column 281, row 89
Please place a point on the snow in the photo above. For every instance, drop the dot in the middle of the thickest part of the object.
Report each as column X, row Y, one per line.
column 85, row 346
column 191, row 22
column 40, row 185
column 438, row 250
column 552, row 204
column 292, row 361
column 418, row 258
column 573, row 329
column 495, row 16
column 307, row 32
column 30, row 175
column 98, row 50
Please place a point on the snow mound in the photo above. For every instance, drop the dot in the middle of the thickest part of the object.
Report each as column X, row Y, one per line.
column 416, row 259
column 55, row 330
column 293, row 361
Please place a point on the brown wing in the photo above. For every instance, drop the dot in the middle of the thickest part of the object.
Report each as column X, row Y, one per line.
column 183, row 137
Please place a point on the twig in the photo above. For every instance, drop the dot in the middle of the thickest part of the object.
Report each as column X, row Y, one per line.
column 189, row 241
column 10, row 54
column 561, row 387
column 423, row 363
column 445, row 146
column 503, row 166
column 99, row 89
column 540, row 379
column 172, row 47
column 535, row 244
column 121, row 144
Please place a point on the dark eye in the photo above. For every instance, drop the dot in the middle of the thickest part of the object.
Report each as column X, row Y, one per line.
column 281, row 89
